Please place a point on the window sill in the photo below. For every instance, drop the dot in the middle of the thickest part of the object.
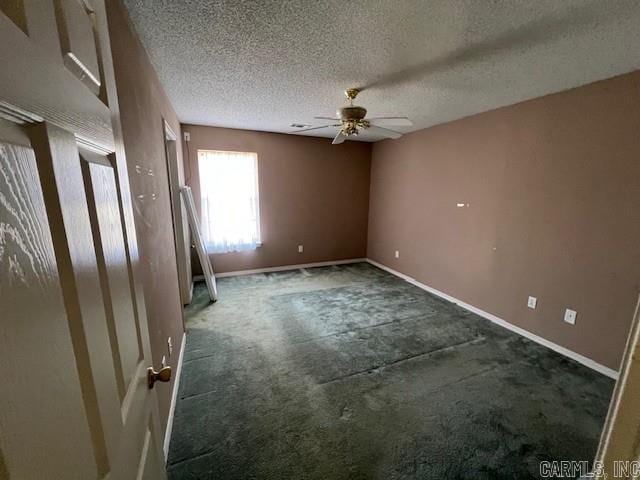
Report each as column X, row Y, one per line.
column 258, row 245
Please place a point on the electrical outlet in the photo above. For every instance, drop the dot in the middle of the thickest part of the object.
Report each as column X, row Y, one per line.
column 570, row 316
column 170, row 346
column 300, row 248
column 532, row 302
column 187, row 136
column 397, row 253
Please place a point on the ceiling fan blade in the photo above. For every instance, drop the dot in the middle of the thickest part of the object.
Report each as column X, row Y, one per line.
column 391, row 121
column 326, row 118
column 339, row 138
column 315, row 128
column 384, row 131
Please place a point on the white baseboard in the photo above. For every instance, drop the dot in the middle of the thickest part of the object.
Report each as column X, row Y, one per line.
column 503, row 323
column 174, row 398
column 283, row 268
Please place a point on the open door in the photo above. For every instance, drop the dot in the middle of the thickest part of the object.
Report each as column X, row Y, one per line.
column 619, row 451
column 77, row 398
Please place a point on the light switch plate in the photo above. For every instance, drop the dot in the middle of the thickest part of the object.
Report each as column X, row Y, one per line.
column 397, row 254
column 532, row 302
column 300, row 248
column 570, row 316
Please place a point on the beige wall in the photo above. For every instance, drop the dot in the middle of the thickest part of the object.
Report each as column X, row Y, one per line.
column 553, row 187
column 311, row 193
column 143, row 105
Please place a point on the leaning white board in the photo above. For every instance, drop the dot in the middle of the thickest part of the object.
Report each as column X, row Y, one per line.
column 207, row 269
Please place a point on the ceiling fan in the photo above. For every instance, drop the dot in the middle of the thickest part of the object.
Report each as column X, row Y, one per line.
column 351, row 121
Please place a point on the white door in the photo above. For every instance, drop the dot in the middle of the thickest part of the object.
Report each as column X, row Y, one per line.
column 74, row 347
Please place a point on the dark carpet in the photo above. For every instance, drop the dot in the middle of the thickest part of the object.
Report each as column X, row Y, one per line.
column 351, row 373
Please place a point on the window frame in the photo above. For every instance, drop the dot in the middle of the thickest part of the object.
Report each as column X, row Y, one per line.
column 257, row 185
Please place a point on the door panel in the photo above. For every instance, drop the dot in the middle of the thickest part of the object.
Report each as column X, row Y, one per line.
column 34, row 319
column 104, row 208
column 149, row 461
column 61, row 182
column 14, row 10
column 35, row 79
column 77, row 41
column 125, row 333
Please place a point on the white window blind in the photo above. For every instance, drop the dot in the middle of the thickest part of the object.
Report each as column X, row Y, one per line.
column 229, row 200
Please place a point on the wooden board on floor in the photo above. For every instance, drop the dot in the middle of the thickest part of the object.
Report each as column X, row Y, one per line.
column 207, row 269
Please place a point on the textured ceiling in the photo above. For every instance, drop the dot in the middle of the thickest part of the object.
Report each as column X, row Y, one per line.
column 263, row 64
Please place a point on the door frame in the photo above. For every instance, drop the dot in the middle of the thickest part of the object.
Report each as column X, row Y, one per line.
column 620, row 438
column 178, row 224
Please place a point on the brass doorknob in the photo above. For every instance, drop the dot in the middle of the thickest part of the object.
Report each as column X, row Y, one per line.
column 164, row 375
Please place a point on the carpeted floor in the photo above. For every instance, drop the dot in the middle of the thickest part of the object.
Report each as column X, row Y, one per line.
column 351, row 373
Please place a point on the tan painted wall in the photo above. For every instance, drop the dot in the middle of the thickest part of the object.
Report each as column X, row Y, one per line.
column 143, row 105
column 553, row 186
column 311, row 193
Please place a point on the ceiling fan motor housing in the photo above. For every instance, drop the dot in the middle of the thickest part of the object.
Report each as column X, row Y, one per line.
column 351, row 112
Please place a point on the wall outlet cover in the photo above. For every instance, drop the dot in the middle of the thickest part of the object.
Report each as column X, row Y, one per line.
column 300, row 248
column 532, row 302
column 397, row 254
column 570, row 316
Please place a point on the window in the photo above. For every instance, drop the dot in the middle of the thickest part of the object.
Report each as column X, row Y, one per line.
column 230, row 217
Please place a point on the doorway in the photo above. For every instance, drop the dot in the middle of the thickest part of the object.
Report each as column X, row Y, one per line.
column 178, row 214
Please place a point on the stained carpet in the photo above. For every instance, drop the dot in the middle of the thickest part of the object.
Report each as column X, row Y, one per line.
column 348, row 372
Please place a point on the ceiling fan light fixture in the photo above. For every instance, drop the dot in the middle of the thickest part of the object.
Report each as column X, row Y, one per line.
column 349, row 128
column 352, row 127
